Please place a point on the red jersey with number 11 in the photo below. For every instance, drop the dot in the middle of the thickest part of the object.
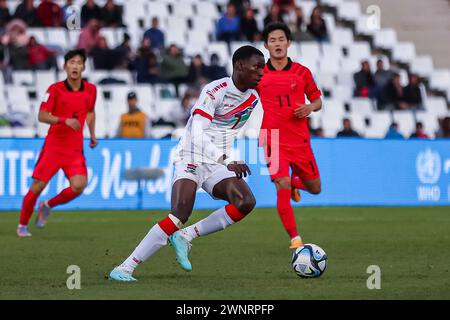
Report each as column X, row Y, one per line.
column 62, row 101
column 280, row 91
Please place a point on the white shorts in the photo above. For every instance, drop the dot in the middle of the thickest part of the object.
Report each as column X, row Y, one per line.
column 206, row 175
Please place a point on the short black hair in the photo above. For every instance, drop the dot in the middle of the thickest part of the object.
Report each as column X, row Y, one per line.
column 245, row 52
column 77, row 52
column 276, row 26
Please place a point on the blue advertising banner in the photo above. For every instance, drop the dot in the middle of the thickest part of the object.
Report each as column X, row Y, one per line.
column 354, row 172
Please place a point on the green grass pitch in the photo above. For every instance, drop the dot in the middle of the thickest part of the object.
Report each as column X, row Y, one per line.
column 250, row 260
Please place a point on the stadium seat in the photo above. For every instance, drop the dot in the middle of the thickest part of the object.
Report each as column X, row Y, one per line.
column 332, row 107
column 156, row 8
column 73, row 37
column 349, row 10
column 362, row 106
column 19, row 132
column 341, row 36
column 358, row 123
column 164, row 91
column 207, row 9
column 378, row 124
column 404, row 52
column 307, row 8
column 221, row 49
column 385, row 39
column 329, row 66
column 38, row 34
column 58, row 37
column 158, row 132
column 18, row 99
column 110, row 35
column 42, row 129
column 342, row 92
column 422, row 65
column 23, row 78
column 440, row 79
column 6, row 132
column 359, row 51
column 362, row 26
column 332, row 52
column 183, row 9
column 430, row 122
column 326, row 80
column 176, row 36
column 350, row 65
column 309, row 50
column 436, row 106
column 123, row 75
column 406, row 122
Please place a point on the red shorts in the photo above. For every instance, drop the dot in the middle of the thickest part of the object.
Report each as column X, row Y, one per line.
column 50, row 161
column 300, row 160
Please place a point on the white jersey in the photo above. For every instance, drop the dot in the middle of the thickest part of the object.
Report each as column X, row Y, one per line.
column 228, row 109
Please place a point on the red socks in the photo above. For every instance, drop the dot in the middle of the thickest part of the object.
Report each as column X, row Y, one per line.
column 29, row 201
column 234, row 213
column 286, row 212
column 297, row 183
column 65, row 196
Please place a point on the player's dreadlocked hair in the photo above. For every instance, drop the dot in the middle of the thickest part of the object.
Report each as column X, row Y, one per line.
column 245, row 52
column 77, row 52
column 276, row 26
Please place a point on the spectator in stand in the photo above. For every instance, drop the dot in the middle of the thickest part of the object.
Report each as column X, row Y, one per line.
column 412, row 97
column 381, row 77
column 274, row 15
column 89, row 35
column 111, row 15
column 364, row 82
column 15, row 41
column 299, row 32
column 141, row 63
column 216, row 70
column 286, row 6
column 228, row 26
column 90, row 10
column 50, row 14
column 39, row 57
column 124, row 53
column 240, row 6
column 393, row 132
column 173, row 68
column 317, row 26
column 348, row 131
column 419, row 133
column 390, row 98
column 155, row 35
column 249, row 26
column 102, row 56
column 444, row 128
column 5, row 16
column 27, row 13
column 135, row 123
column 182, row 115
column 198, row 72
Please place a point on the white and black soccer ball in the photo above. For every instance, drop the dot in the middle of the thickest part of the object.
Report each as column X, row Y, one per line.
column 309, row 261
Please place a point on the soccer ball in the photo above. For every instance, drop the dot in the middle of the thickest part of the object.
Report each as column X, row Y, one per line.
column 309, row 261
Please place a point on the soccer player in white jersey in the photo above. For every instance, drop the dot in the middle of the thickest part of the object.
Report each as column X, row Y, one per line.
column 203, row 160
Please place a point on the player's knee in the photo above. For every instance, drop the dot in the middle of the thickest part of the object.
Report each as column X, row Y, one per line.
column 283, row 184
column 78, row 187
column 245, row 204
column 37, row 187
column 315, row 189
column 181, row 211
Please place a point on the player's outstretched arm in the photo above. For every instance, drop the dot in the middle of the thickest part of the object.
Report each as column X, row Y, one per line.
column 90, row 120
column 45, row 117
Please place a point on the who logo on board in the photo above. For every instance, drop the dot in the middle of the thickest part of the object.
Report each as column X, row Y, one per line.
column 428, row 166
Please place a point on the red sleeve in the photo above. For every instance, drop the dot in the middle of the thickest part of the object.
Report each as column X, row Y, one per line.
column 49, row 101
column 311, row 90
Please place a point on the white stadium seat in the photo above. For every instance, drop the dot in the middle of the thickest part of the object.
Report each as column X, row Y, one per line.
column 18, row 99
column 378, row 124
column 341, row 36
column 349, row 10
column 57, row 36
column 404, row 52
column 440, row 79
column 422, row 65
column 406, row 122
column 23, row 78
column 362, row 106
column 6, row 132
column 436, row 106
column 359, row 51
column 385, row 39
column 19, row 132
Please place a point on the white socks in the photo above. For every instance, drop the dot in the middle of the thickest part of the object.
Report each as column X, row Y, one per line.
column 155, row 239
column 216, row 221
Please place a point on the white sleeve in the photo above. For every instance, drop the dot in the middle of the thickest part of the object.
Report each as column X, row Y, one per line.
column 201, row 142
column 206, row 103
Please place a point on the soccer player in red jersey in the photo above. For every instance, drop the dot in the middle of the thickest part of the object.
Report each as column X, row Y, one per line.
column 66, row 106
column 285, row 134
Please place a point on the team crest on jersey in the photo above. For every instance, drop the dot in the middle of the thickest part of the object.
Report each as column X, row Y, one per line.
column 191, row 168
